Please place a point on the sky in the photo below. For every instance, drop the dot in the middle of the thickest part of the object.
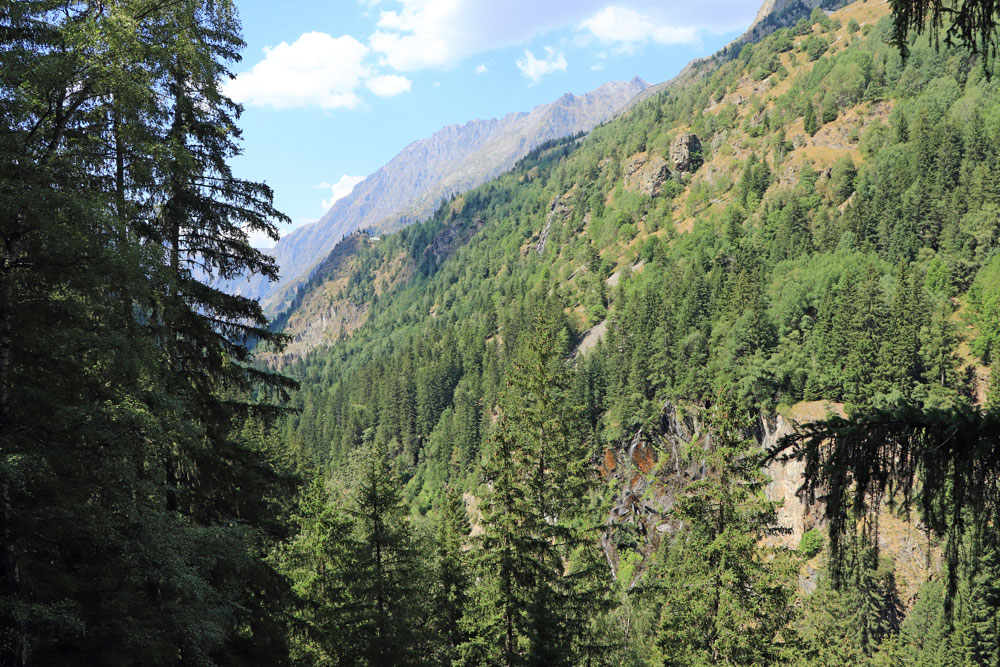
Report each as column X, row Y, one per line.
column 333, row 89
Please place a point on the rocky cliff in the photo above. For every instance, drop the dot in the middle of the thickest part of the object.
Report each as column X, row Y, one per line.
column 651, row 469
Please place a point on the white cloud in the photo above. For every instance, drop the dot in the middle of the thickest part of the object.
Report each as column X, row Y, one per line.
column 262, row 240
column 482, row 69
column 316, row 69
column 431, row 34
column 388, row 85
column 340, row 189
column 534, row 69
column 320, row 70
column 423, row 34
column 628, row 29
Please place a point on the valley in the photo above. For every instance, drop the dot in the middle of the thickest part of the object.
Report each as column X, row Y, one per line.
column 698, row 372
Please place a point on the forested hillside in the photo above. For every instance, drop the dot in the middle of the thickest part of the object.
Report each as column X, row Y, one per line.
column 410, row 186
column 812, row 220
column 829, row 238
column 562, row 422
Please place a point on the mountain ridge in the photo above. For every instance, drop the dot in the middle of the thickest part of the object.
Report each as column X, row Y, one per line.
column 412, row 184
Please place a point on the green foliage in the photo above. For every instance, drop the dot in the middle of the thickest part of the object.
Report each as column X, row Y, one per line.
column 791, row 285
column 539, row 583
column 811, row 543
column 139, row 481
column 984, row 311
column 726, row 598
column 842, row 178
column 360, row 572
column 809, row 122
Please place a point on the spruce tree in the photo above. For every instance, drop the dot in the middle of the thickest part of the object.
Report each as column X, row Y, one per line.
column 315, row 560
column 509, row 560
column 384, row 573
column 137, row 440
column 726, row 598
column 809, row 122
column 452, row 579
column 539, row 582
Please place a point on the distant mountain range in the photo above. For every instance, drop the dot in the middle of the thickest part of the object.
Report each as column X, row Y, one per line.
column 411, row 185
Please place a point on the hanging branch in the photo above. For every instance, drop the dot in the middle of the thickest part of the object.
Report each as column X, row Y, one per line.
column 968, row 23
column 944, row 463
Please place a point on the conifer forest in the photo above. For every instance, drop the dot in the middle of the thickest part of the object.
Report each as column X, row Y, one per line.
column 710, row 384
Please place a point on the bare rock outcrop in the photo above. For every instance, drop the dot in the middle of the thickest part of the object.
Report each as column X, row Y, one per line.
column 685, row 152
column 650, row 470
column 646, row 173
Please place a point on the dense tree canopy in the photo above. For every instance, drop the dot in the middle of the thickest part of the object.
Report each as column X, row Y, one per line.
column 493, row 475
column 135, row 486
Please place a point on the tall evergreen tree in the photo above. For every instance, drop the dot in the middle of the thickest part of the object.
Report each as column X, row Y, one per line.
column 119, row 438
column 452, row 579
column 537, row 588
column 384, row 573
column 726, row 598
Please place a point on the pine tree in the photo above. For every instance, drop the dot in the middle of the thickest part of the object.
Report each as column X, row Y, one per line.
column 875, row 615
column 508, row 562
column 726, row 599
column 923, row 633
column 90, row 372
column 384, row 573
column 993, row 391
column 984, row 604
column 809, row 122
column 315, row 560
column 452, row 576
column 538, row 585
column 825, row 627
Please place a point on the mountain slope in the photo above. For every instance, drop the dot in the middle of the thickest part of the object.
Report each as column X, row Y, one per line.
column 808, row 227
column 411, row 185
column 786, row 263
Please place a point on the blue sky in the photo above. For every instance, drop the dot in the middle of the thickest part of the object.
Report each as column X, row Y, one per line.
column 333, row 89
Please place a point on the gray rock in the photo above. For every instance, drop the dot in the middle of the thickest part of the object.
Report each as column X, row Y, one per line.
column 685, row 152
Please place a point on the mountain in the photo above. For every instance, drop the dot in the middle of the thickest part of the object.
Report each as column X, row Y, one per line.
column 772, row 15
column 799, row 226
column 455, row 158
column 311, row 307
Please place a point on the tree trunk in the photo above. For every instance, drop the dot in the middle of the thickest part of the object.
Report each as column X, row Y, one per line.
column 12, row 647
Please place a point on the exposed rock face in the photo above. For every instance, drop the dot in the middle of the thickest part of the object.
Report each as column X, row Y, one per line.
column 323, row 313
column 593, row 336
column 685, row 152
column 544, row 238
column 650, row 472
column 451, row 238
column 645, row 174
column 410, row 186
column 776, row 14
